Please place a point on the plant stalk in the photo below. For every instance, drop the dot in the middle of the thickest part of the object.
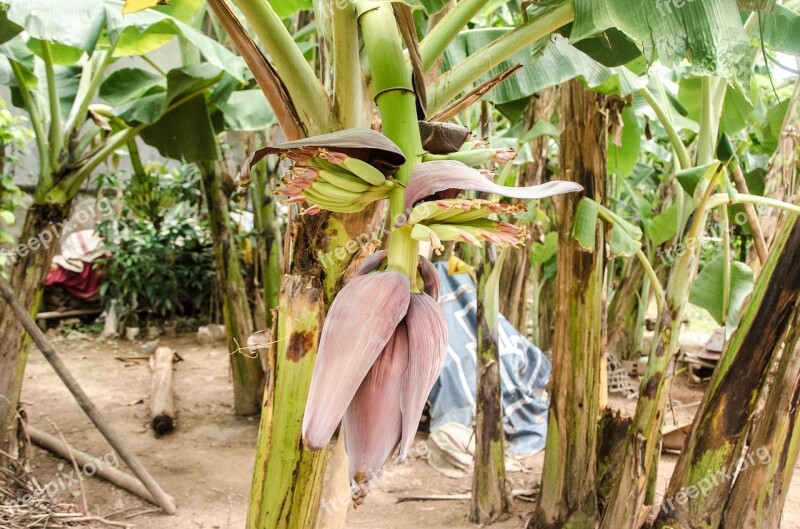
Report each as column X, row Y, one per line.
column 304, row 88
column 56, row 132
column 448, row 28
column 394, row 95
column 458, row 79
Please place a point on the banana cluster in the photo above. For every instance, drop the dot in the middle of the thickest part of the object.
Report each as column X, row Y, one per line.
column 474, row 154
column 335, row 182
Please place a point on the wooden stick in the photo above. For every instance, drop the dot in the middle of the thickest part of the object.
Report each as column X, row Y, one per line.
column 516, row 493
column 161, row 498
column 66, row 314
column 162, row 402
column 78, row 473
column 752, row 217
column 112, row 475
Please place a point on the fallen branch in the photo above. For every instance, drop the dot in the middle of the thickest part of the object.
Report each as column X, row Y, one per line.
column 161, row 498
column 460, row 497
column 106, row 472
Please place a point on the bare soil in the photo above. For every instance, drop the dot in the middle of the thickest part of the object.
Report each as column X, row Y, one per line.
column 206, row 463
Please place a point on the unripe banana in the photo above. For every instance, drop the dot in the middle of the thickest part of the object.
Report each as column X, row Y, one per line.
column 332, row 191
column 472, row 157
column 363, row 170
column 337, row 206
column 467, row 216
column 346, row 181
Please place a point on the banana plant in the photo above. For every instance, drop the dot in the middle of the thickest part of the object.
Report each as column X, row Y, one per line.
column 57, row 63
column 422, row 195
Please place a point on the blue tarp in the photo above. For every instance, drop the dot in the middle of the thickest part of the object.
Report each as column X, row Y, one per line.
column 524, row 371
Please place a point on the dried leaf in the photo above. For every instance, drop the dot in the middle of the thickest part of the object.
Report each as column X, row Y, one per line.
column 364, row 144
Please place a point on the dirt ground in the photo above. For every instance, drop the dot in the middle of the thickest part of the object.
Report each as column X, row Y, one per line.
column 206, row 463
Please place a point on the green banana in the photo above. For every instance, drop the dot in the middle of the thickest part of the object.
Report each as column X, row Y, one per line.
column 346, row 181
column 333, row 191
column 472, row 157
column 337, row 206
column 363, row 170
column 465, row 216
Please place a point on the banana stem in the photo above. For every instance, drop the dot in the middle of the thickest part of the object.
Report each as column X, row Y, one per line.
column 394, row 95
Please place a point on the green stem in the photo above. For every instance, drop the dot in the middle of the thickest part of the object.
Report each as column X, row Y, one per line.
column 136, row 159
column 644, row 261
column 458, row 79
column 391, row 82
column 347, row 86
column 70, row 184
column 675, row 139
column 726, row 261
column 301, row 83
column 706, row 140
column 37, row 122
column 448, row 28
column 85, row 96
column 153, row 65
column 56, row 131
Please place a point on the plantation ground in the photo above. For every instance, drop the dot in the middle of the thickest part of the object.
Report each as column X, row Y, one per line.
column 206, row 464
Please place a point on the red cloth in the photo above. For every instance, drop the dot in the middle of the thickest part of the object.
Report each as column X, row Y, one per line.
column 83, row 285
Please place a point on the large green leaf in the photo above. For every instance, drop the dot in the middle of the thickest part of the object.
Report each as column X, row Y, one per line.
column 184, row 133
column 74, row 23
column 180, row 82
column 559, row 62
column 287, row 8
column 664, row 226
column 129, row 84
column 247, row 110
column 543, row 252
column 782, row 30
column 707, row 289
column 142, row 32
column 8, row 29
column 584, row 225
column 611, row 48
column 622, row 159
column 689, row 178
column 736, row 109
column 78, row 24
column 709, row 33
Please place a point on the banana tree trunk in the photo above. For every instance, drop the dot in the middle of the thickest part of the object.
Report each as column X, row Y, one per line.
column 568, row 497
column 247, row 373
column 703, row 476
column 624, row 313
column 38, row 244
column 759, row 494
column 490, row 495
column 287, row 482
column 545, row 310
column 514, row 291
column 268, row 246
column 287, row 479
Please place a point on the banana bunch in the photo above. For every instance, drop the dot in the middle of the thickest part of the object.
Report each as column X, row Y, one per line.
column 456, row 210
column 474, row 154
column 335, row 182
column 473, row 232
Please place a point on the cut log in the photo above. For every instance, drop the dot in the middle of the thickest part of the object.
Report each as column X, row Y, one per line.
column 162, row 401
